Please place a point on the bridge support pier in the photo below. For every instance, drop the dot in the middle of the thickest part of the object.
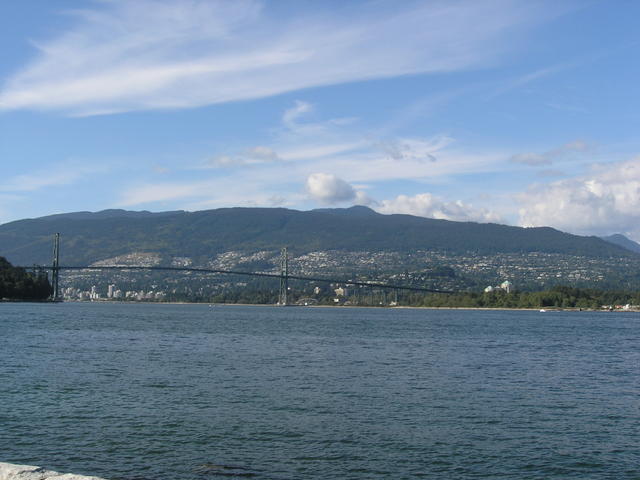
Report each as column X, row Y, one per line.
column 55, row 270
column 284, row 278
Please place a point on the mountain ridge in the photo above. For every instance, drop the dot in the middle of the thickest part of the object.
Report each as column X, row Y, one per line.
column 93, row 236
column 622, row 241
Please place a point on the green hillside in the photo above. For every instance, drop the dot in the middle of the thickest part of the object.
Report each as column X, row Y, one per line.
column 90, row 237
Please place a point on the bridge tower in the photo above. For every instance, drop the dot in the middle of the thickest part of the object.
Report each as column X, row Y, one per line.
column 55, row 268
column 284, row 277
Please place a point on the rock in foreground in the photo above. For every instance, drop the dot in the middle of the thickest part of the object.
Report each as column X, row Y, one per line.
column 9, row 471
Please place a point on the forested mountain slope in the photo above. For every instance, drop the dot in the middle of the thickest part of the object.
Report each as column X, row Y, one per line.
column 87, row 237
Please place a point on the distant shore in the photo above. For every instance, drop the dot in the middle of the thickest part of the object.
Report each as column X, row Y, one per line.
column 27, row 300
column 414, row 307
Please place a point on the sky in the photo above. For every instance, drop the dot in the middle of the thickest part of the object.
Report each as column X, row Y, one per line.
column 518, row 112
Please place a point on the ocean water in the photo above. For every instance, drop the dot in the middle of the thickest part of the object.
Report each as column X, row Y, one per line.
column 169, row 392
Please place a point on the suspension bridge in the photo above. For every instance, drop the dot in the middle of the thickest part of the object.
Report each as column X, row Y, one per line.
column 284, row 276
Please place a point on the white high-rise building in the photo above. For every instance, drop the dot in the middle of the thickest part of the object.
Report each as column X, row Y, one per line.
column 94, row 295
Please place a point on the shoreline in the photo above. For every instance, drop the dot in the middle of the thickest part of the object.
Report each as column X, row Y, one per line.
column 388, row 307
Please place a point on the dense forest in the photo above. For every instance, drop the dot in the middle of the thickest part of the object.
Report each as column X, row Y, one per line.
column 557, row 297
column 18, row 284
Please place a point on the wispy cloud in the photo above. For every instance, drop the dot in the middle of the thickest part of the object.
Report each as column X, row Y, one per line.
column 416, row 150
column 292, row 114
column 314, row 151
column 550, row 156
column 37, row 181
column 322, row 161
column 258, row 155
column 207, row 193
column 151, row 54
column 531, row 77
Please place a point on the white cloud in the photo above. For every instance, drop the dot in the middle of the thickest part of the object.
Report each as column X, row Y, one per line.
column 430, row 206
column 605, row 201
column 330, row 190
column 121, row 56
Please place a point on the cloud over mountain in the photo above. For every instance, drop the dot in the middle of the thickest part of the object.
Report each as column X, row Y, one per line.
column 430, row 206
column 605, row 200
column 330, row 190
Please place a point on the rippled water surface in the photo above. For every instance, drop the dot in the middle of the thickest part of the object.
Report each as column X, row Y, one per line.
column 173, row 392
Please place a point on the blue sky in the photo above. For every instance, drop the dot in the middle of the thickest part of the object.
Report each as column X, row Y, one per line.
column 517, row 112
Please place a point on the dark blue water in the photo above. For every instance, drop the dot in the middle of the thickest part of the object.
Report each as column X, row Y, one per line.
column 174, row 392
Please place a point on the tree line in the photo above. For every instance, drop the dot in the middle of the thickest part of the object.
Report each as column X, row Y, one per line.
column 556, row 297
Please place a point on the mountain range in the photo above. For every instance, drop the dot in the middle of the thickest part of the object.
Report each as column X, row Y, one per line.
column 624, row 242
column 199, row 238
column 88, row 237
